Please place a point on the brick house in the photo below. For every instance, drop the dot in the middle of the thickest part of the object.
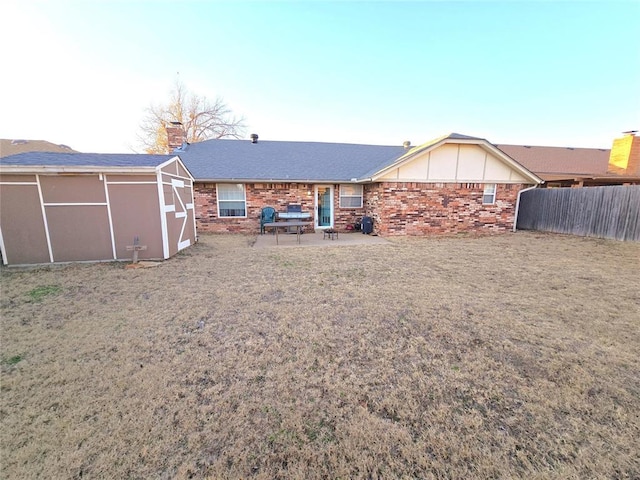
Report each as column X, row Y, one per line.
column 455, row 183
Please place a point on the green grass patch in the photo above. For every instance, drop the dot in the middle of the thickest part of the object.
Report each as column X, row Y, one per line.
column 38, row 293
column 12, row 360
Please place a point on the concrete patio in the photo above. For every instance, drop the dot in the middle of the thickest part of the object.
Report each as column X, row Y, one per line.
column 316, row 239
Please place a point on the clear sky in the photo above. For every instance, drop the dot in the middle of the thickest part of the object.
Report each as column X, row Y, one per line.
column 82, row 73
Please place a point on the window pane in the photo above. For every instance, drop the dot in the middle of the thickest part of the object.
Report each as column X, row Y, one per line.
column 231, row 202
column 489, row 194
column 351, row 196
column 351, row 202
column 351, row 190
column 230, row 192
column 232, row 210
column 490, row 188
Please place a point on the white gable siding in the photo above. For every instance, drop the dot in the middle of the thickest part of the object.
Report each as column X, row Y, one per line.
column 471, row 163
column 451, row 163
column 442, row 163
column 413, row 170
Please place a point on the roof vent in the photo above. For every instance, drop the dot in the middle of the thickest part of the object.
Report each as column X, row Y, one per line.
column 254, row 138
column 18, row 142
column 406, row 144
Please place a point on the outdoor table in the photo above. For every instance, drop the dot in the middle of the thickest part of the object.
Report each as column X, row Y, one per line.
column 297, row 224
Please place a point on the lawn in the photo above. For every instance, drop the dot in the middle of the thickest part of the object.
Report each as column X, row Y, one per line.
column 512, row 356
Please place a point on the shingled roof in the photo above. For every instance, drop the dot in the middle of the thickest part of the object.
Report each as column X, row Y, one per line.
column 242, row 160
column 554, row 162
column 53, row 159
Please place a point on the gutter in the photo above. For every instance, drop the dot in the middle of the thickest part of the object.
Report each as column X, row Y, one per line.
column 515, row 220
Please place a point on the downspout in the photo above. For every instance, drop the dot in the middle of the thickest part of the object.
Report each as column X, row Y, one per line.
column 515, row 220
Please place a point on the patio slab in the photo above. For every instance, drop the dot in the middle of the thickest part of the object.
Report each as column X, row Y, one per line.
column 316, row 239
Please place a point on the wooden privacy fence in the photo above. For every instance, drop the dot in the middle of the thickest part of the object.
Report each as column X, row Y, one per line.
column 605, row 212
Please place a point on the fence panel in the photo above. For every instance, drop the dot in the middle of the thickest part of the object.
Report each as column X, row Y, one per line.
column 605, row 212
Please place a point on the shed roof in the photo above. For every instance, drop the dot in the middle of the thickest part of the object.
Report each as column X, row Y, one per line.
column 59, row 159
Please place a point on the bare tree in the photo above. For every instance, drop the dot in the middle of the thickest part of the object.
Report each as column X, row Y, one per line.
column 200, row 118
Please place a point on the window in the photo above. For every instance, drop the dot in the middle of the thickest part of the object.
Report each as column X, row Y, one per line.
column 350, row 196
column 489, row 194
column 231, row 200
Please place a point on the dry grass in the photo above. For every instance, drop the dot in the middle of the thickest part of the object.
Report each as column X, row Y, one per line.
column 498, row 357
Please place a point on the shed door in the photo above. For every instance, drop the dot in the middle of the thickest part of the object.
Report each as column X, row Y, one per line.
column 180, row 216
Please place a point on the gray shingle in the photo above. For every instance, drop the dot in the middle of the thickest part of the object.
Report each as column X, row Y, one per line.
column 54, row 159
column 284, row 161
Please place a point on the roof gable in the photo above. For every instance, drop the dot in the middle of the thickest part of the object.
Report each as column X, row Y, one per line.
column 456, row 158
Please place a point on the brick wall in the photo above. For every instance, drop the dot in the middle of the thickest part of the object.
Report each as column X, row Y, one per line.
column 346, row 216
column 259, row 195
column 404, row 208
column 398, row 208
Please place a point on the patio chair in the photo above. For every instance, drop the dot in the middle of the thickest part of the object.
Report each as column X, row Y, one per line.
column 267, row 215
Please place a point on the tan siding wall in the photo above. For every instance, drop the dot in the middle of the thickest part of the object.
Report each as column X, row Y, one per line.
column 173, row 229
column 22, row 223
column 79, row 233
column 18, row 178
column 135, row 212
column 72, row 189
column 112, row 178
column 181, row 171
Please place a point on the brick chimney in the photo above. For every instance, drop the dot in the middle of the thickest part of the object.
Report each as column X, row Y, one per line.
column 175, row 136
column 625, row 155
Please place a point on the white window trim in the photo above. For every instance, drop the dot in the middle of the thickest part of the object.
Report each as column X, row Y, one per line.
column 244, row 199
column 361, row 196
column 490, row 189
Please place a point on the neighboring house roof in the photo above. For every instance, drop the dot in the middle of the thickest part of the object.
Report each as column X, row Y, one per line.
column 277, row 161
column 12, row 146
column 76, row 162
column 559, row 162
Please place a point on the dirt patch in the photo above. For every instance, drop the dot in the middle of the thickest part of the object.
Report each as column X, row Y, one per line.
column 494, row 357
